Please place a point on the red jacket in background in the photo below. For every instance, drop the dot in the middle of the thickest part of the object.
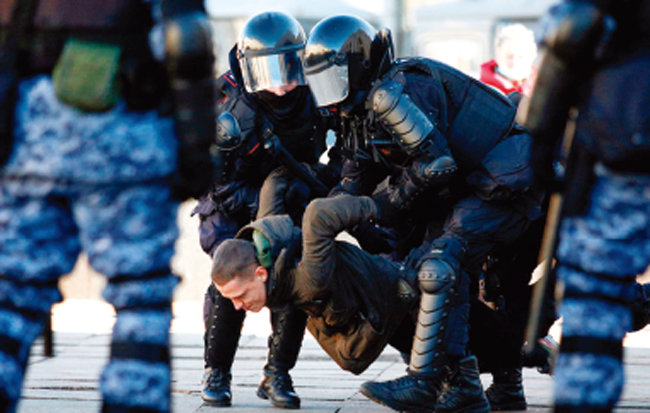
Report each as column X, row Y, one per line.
column 490, row 76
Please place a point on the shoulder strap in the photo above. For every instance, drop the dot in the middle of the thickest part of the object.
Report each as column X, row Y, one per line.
column 21, row 16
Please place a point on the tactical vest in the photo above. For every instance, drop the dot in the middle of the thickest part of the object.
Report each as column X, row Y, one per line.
column 125, row 23
column 472, row 116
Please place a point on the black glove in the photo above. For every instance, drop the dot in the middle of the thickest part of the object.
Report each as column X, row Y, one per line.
column 296, row 199
column 387, row 213
column 374, row 238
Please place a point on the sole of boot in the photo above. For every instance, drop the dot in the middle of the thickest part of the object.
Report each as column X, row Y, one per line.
column 478, row 407
column 399, row 407
column 217, row 403
column 262, row 394
column 509, row 407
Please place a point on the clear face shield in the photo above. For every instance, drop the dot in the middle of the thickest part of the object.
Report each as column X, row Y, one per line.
column 262, row 70
column 328, row 83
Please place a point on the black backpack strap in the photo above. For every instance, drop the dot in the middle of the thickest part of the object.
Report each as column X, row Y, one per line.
column 21, row 17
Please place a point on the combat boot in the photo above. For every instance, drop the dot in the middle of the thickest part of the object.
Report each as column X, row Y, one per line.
column 641, row 307
column 506, row 391
column 277, row 386
column 428, row 364
column 408, row 393
column 222, row 330
column 284, row 346
column 216, row 387
column 464, row 392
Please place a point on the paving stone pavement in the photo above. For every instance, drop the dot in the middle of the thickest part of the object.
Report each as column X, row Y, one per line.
column 68, row 381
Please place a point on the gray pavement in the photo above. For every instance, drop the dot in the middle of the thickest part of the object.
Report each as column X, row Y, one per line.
column 68, row 382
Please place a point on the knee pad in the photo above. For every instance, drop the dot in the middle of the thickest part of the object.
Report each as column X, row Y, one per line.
column 436, row 276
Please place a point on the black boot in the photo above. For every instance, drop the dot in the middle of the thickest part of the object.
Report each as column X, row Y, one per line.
column 278, row 388
column 216, row 387
column 506, row 391
column 407, row 393
column 222, row 330
column 641, row 307
column 465, row 392
column 419, row 391
column 284, row 346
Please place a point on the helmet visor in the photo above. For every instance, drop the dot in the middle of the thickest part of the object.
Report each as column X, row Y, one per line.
column 271, row 70
column 329, row 85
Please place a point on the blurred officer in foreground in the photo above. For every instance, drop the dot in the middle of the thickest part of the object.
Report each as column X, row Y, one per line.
column 441, row 156
column 595, row 57
column 267, row 115
column 99, row 164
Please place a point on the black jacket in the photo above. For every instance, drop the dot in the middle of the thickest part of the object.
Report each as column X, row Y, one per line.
column 355, row 300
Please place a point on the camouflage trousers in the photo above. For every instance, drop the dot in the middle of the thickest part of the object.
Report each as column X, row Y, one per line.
column 95, row 183
column 599, row 255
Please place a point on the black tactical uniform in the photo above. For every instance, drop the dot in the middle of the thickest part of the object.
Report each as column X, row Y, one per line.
column 252, row 182
column 439, row 150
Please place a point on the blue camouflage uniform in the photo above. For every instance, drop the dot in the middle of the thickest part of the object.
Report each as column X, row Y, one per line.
column 106, row 181
column 604, row 243
column 94, row 182
column 600, row 254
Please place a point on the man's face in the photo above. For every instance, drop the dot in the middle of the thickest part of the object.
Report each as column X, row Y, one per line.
column 246, row 290
column 281, row 90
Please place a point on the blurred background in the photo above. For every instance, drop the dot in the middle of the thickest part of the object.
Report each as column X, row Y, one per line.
column 457, row 32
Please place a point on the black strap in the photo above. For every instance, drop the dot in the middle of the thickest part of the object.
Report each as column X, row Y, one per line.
column 593, row 345
column 5, row 401
column 140, row 351
column 118, row 408
column 620, row 279
column 151, row 275
column 21, row 17
column 51, row 283
column 32, row 314
column 9, row 346
column 565, row 408
column 596, row 296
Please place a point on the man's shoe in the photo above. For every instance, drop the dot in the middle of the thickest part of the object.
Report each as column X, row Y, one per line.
column 216, row 387
column 506, row 391
column 464, row 392
column 405, row 393
column 278, row 388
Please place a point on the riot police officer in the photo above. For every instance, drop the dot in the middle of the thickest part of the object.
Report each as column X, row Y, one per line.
column 595, row 58
column 264, row 95
column 433, row 145
column 94, row 153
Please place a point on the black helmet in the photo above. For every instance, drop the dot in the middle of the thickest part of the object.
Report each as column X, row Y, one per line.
column 269, row 50
column 344, row 53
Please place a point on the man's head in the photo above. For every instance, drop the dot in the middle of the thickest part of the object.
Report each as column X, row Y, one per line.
column 269, row 50
column 237, row 274
column 515, row 51
column 343, row 55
